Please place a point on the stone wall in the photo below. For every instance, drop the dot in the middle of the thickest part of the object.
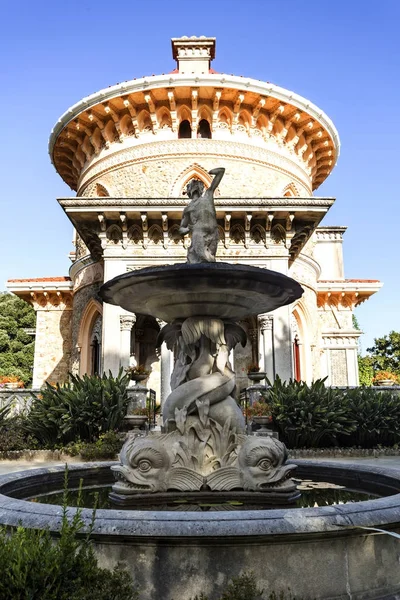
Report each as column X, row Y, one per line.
column 160, row 169
column 52, row 346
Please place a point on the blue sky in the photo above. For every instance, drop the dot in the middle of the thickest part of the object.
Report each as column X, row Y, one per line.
column 342, row 55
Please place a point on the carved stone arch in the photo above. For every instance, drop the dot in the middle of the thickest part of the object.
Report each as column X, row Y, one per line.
column 92, row 311
column 262, row 123
column 97, row 140
column 279, row 126
column 102, row 191
column 290, row 190
column 245, row 119
column 237, row 234
column 304, row 331
column 135, row 234
column 221, row 234
column 184, row 113
column 257, row 234
column 89, row 191
column 110, row 132
column 174, row 235
column 164, row 118
column 278, row 234
column 195, row 171
column 126, row 125
column 144, row 121
column 155, row 234
column 225, row 115
column 114, row 234
column 291, row 133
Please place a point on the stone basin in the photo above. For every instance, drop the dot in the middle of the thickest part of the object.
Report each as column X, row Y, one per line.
column 218, row 290
column 319, row 553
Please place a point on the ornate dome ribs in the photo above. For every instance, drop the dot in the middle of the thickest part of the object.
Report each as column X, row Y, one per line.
column 93, row 129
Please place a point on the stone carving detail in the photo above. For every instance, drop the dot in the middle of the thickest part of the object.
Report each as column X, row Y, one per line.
column 223, row 148
column 266, row 322
column 114, row 234
column 203, row 455
column 202, row 371
column 237, row 234
column 135, row 234
column 127, row 322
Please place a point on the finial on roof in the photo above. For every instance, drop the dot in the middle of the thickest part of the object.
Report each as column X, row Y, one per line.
column 193, row 54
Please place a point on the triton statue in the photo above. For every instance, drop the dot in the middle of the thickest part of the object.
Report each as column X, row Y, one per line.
column 199, row 219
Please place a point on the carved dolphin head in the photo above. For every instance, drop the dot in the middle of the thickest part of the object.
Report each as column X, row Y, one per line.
column 144, row 466
column 262, row 466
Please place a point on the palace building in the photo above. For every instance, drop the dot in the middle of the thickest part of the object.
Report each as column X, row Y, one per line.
column 129, row 151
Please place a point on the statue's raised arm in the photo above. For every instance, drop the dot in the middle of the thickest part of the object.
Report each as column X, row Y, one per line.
column 200, row 219
column 219, row 173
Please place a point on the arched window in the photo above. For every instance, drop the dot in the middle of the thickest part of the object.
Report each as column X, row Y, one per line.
column 204, row 130
column 95, row 345
column 185, row 130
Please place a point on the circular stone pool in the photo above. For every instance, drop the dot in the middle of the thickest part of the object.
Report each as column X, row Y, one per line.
column 319, row 552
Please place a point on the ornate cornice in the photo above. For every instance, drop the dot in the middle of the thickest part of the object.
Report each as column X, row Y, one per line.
column 246, row 109
column 221, row 81
column 264, row 203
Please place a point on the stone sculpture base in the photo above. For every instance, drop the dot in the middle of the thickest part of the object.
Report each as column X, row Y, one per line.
column 203, row 457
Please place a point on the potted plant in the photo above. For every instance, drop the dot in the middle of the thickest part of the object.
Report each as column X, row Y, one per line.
column 137, row 418
column 385, row 378
column 254, row 373
column 11, row 382
column 138, row 373
column 260, row 412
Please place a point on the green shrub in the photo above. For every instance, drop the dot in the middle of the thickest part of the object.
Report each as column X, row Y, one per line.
column 106, row 447
column 4, row 412
column 309, row 416
column 13, row 435
column 36, row 568
column 81, row 410
column 376, row 414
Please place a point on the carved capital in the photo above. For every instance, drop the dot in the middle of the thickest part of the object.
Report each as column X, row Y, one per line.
column 265, row 322
column 127, row 322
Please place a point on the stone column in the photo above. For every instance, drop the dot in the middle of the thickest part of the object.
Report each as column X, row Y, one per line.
column 166, row 360
column 267, row 351
column 126, row 324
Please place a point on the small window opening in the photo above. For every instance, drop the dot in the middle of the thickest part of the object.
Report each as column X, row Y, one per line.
column 185, row 131
column 204, row 130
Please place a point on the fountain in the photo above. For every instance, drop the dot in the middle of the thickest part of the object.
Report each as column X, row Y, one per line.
column 203, row 447
column 185, row 536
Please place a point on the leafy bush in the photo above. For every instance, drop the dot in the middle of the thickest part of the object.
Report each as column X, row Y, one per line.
column 309, row 416
column 33, row 566
column 106, row 447
column 376, row 414
column 81, row 410
column 4, row 412
column 13, row 435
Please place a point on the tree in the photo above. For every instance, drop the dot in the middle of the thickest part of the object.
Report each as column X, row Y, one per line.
column 385, row 353
column 16, row 345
